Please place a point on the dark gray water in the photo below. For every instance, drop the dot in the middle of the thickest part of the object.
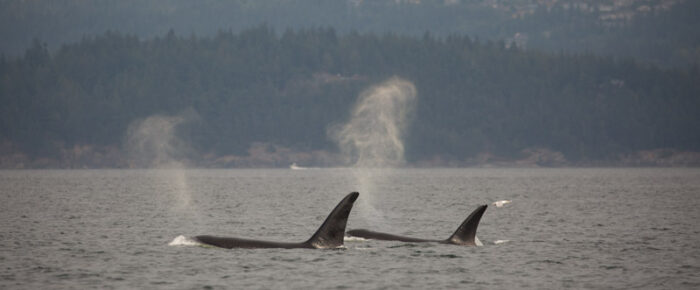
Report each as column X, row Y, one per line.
column 566, row 228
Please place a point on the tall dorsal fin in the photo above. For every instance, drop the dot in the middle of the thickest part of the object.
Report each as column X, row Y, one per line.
column 332, row 231
column 466, row 233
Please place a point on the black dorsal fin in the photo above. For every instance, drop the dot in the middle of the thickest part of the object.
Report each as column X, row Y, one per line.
column 466, row 233
column 332, row 231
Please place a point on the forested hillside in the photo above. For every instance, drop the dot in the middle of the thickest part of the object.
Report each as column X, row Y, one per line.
column 287, row 88
column 662, row 32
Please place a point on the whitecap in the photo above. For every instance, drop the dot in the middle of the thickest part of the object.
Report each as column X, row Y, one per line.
column 183, row 241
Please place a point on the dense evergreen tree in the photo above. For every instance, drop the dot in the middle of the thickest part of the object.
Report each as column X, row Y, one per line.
column 287, row 88
column 662, row 36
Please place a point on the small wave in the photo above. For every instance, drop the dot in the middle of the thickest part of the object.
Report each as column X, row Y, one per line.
column 498, row 242
column 413, row 245
column 545, row 261
column 354, row 239
column 450, row 256
column 184, row 241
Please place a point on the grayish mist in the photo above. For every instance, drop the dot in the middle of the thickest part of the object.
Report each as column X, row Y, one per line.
column 153, row 143
column 372, row 140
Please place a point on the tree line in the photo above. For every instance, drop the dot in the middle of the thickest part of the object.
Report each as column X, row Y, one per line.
column 287, row 88
column 666, row 37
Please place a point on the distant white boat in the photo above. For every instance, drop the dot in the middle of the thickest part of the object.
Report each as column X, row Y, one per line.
column 501, row 203
column 294, row 166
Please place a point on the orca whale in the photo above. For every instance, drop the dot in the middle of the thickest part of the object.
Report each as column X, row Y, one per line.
column 465, row 235
column 329, row 235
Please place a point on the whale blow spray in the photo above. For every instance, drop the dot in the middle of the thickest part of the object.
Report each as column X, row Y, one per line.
column 152, row 143
column 372, row 140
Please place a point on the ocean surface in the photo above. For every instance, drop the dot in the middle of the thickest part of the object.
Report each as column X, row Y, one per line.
column 565, row 228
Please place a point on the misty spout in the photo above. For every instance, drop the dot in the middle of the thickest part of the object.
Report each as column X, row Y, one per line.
column 153, row 143
column 373, row 136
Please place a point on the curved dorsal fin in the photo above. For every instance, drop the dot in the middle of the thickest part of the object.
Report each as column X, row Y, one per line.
column 332, row 231
column 466, row 233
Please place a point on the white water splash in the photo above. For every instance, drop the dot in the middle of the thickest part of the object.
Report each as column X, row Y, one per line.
column 184, row 241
